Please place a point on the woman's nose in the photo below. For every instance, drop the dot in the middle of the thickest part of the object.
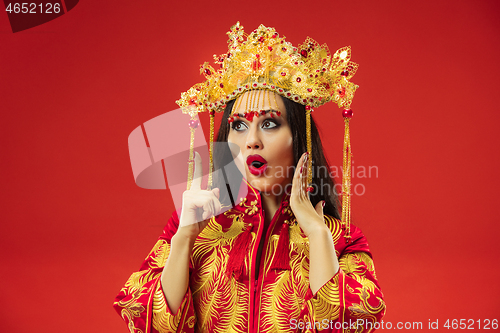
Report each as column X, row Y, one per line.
column 253, row 139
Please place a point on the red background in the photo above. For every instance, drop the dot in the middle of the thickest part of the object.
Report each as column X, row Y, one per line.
column 74, row 225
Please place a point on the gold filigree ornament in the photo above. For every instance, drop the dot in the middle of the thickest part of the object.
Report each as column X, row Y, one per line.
column 263, row 60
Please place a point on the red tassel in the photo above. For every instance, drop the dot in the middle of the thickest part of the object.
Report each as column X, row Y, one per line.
column 238, row 253
column 282, row 256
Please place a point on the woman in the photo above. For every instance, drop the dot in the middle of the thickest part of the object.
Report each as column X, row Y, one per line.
column 275, row 261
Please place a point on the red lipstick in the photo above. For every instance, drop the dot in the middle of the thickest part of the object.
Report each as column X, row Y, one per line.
column 257, row 164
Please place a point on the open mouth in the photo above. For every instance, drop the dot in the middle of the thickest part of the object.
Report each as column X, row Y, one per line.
column 257, row 164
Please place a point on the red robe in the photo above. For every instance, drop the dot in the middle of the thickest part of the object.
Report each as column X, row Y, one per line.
column 280, row 300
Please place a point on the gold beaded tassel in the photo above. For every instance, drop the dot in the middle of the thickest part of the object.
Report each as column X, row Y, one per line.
column 309, row 148
column 346, row 177
column 193, row 124
column 211, row 150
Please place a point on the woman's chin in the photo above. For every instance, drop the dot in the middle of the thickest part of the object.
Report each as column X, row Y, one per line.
column 267, row 185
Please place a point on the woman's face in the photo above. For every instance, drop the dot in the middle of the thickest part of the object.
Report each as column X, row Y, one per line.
column 265, row 141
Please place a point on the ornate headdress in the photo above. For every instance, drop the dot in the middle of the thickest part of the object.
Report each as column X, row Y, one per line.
column 262, row 60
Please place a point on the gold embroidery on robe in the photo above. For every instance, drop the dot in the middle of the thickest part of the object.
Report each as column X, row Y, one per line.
column 131, row 307
column 216, row 295
column 218, row 303
column 163, row 321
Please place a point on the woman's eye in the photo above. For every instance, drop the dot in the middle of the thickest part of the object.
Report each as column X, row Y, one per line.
column 239, row 126
column 269, row 124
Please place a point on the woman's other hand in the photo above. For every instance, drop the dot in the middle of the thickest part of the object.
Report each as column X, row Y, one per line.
column 323, row 259
column 309, row 218
column 198, row 205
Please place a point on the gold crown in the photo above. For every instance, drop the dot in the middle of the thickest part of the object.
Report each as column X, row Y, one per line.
column 306, row 74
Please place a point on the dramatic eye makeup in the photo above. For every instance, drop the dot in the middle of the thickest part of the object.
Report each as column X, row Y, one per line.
column 239, row 125
column 270, row 123
column 267, row 123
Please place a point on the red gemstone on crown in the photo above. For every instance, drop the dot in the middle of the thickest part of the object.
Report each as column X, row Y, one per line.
column 256, row 65
column 347, row 113
column 207, row 71
column 230, row 120
column 194, row 123
column 299, row 79
column 212, row 112
column 270, row 48
column 341, row 92
column 262, row 112
column 304, row 53
column 309, row 89
column 283, row 73
column 249, row 116
column 344, row 73
column 221, row 85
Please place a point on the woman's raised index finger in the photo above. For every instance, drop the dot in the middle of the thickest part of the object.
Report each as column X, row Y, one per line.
column 198, row 172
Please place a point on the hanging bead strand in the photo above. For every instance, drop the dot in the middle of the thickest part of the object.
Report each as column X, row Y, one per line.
column 309, row 148
column 193, row 124
column 211, row 150
column 346, row 177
